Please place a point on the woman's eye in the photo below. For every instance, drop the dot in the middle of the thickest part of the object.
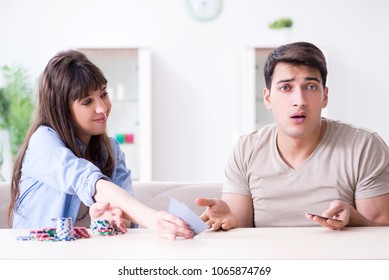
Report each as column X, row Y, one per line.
column 105, row 94
column 86, row 102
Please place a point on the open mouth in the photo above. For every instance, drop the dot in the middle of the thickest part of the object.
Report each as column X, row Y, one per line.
column 298, row 116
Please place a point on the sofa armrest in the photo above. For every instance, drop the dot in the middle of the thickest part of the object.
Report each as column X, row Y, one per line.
column 4, row 199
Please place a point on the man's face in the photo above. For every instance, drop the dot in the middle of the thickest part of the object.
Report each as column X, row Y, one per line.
column 296, row 99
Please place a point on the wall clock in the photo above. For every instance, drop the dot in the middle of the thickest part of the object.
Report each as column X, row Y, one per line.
column 204, row 10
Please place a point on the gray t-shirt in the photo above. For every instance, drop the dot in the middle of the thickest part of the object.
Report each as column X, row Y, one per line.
column 349, row 163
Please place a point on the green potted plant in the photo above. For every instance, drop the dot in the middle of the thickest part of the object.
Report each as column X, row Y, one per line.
column 281, row 29
column 280, row 23
column 16, row 105
column 1, row 163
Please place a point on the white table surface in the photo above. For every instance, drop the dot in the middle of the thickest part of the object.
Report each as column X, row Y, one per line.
column 249, row 243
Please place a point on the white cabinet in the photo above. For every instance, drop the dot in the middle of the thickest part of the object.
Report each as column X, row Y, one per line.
column 128, row 71
column 253, row 113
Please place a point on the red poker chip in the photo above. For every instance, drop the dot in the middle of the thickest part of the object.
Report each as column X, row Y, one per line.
column 44, row 238
column 36, row 231
column 80, row 232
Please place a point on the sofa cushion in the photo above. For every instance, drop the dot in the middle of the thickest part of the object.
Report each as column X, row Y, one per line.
column 157, row 194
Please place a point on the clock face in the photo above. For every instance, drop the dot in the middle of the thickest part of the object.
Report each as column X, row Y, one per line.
column 204, row 9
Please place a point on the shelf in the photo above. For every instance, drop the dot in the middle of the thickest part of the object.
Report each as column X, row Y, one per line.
column 128, row 71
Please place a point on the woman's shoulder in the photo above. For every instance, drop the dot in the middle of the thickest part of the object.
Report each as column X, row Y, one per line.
column 44, row 130
column 45, row 135
column 114, row 144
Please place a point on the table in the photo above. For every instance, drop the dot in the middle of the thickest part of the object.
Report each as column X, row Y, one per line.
column 312, row 243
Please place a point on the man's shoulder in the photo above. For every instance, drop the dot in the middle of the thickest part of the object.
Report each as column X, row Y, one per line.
column 262, row 135
column 343, row 127
column 349, row 134
column 258, row 133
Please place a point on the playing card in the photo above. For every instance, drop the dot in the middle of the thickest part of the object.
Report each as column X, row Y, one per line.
column 184, row 213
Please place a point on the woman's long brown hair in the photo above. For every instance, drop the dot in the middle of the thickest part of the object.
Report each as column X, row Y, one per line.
column 68, row 76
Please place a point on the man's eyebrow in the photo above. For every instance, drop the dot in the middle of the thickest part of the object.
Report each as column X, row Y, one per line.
column 312, row 79
column 285, row 81
column 306, row 79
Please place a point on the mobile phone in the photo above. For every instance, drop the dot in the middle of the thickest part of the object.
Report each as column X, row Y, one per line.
column 325, row 218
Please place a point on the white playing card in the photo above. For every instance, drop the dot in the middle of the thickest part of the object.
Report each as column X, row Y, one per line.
column 184, row 213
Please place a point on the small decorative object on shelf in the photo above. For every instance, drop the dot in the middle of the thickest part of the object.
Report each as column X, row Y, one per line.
column 120, row 138
column 282, row 29
column 127, row 138
column 280, row 23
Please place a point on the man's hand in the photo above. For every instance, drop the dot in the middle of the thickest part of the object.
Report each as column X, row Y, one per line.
column 336, row 217
column 218, row 214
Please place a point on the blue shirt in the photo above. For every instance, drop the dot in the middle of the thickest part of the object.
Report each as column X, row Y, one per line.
column 54, row 181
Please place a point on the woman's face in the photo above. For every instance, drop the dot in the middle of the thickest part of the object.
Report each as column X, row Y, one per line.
column 90, row 114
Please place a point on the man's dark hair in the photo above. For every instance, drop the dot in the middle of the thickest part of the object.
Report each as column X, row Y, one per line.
column 299, row 53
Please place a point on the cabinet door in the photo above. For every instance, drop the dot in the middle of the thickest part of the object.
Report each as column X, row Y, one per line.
column 253, row 112
column 128, row 72
column 262, row 115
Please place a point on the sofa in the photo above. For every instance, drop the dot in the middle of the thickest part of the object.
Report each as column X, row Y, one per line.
column 155, row 194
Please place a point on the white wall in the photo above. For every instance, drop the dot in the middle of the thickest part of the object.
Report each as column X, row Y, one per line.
column 196, row 64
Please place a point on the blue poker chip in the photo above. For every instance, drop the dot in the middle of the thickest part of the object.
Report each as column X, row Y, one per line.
column 23, row 238
column 67, row 238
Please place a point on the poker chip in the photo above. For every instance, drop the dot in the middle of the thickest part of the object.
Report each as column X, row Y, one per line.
column 104, row 228
column 23, row 238
column 64, row 231
column 47, row 238
column 67, row 238
column 50, row 231
column 80, row 232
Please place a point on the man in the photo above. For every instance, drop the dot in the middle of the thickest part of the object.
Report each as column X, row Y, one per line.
column 303, row 165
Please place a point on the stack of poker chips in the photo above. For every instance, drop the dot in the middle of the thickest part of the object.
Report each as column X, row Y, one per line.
column 80, row 232
column 62, row 232
column 64, row 229
column 103, row 227
column 44, row 234
column 65, row 232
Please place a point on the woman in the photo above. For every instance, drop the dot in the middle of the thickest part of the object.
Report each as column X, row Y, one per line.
column 67, row 158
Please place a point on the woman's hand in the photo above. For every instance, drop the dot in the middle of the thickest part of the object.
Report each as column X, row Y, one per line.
column 170, row 226
column 104, row 211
